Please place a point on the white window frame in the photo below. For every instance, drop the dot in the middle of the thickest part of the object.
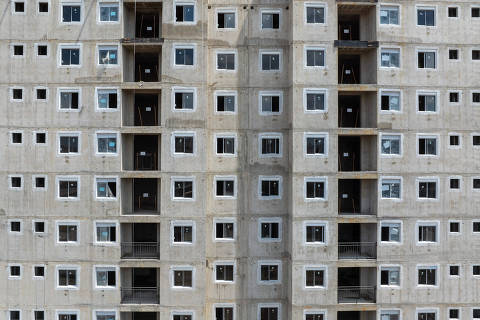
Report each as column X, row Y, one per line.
column 389, row 25
column 459, row 271
column 458, row 12
column 98, row 179
column 176, row 46
column 34, row 187
column 105, row 268
column 224, row 263
column 314, row 48
column 11, row 94
column 390, row 49
column 270, row 135
column 428, row 136
column 107, row 46
column 10, row 277
column 449, row 146
column 459, row 228
column 192, row 90
column 108, row 3
column 226, row 135
column 261, row 94
column 95, row 313
column 111, row 90
column 11, row 187
column 176, row 134
column 459, row 313
column 110, row 134
column 12, row 49
column 77, row 90
column 427, row 223
column 270, row 178
column 315, row 4
column 69, row 46
column 307, row 312
column 174, row 179
column 390, row 222
column 59, row 223
column 10, row 137
column 224, row 220
column 261, row 263
column 78, row 134
column 315, row 91
column 42, row 43
column 226, row 10
column 270, row 220
column 427, row 50
column 174, row 313
column 34, row 135
column 389, row 92
column 390, row 267
column 67, row 178
column 183, row 3
column 390, row 155
column 390, row 311
column 315, row 223
column 20, row 14
column 323, row 135
column 35, row 94
column 272, row 51
column 60, row 312
column 315, row 268
column 437, row 275
column 269, row 305
column 45, row 226
column 474, row 104
column 437, row 101
column 181, row 268
column 67, row 267
column 427, row 179
column 270, row 11
column 110, row 223
column 323, row 179
column 71, row 2
column 426, row 7
column 225, row 178
column 459, row 97
column 39, row 277
column 390, row 178
column 182, row 223
column 221, row 93
column 235, row 59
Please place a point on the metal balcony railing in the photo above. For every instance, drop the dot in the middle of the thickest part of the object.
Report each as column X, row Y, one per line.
column 139, row 295
column 357, row 250
column 144, row 250
column 363, row 294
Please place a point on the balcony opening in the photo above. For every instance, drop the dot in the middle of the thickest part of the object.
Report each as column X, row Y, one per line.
column 140, row 240
column 349, row 69
column 357, row 66
column 355, row 315
column 139, row 316
column 357, row 241
column 357, row 110
column 357, row 285
column 357, row 196
column 357, row 153
column 140, row 196
column 139, row 286
column 146, row 67
column 146, row 109
column 143, row 21
column 357, row 22
column 145, row 152
column 147, row 24
column 349, row 27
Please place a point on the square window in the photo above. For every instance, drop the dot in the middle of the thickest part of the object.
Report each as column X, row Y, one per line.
column 38, row 315
column 390, row 58
column 390, row 101
column 454, row 97
column 15, row 226
column 18, row 50
column 270, row 61
column 184, row 12
column 269, row 272
column 391, row 188
column 39, row 182
column 270, row 146
column 69, row 100
column 15, row 271
column 14, row 315
column 224, row 230
column 427, row 146
column 390, row 276
column 452, row 12
column 390, row 232
column 315, row 145
column 67, row 233
column 270, row 20
column 19, row 6
column 184, row 56
column 107, row 143
column 17, row 94
column 183, row 233
column 17, row 137
column 454, row 271
column 67, row 277
column 225, row 145
column 269, row 187
column 425, row 16
column 39, row 271
column 427, row 59
column 107, row 55
column 67, row 316
column 39, row 226
column 223, row 313
column 43, row 7
column 105, row 277
column 226, row 20
column 427, row 102
column 427, row 276
column 270, row 103
column 475, row 12
column 224, row 272
column 427, row 233
column 224, row 187
column 475, row 54
column 225, row 103
column 270, row 230
column 315, row 14
column 70, row 56
column 225, row 61
column 315, row 57
column 314, row 100
column 42, row 50
column 68, row 144
column 269, row 313
column 106, row 188
column 40, row 138
column 454, row 227
column 67, row 189
column 182, row 278
column 315, row 233
column 454, row 314
column 41, row 93
column 109, row 12
column 453, row 54
column 389, row 15
column 314, row 277
column 183, row 144
column 476, row 226
column 106, row 232
column 454, row 140
column 16, row 182
column 184, row 100
column 315, row 189
column 455, row 183
column 183, row 189
column 71, row 13
column 107, row 99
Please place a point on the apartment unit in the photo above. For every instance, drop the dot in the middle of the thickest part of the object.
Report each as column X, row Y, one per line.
column 226, row 160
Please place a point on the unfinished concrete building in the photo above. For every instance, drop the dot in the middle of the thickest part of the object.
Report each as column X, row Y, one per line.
column 229, row 160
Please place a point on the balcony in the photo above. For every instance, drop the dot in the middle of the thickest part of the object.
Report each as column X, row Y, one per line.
column 357, row 196
column 141, row 109
column 141, row 152
column 143, row 64
column 357, row 153
column 139, row 286
column 357, row 250
column 143, row 23
column 357, row 110
column 357, row 285
column 356, row 315
column 139, row 315
column 140, row 196
column 139, row 295
column 357, row 241
column 140, row 241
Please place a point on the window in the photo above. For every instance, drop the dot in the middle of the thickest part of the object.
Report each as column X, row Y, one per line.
column 225, row 145
column 475, row 97
column 269, row 229
column 107, row 99
column 314, row 57
column 16, row 94
column 315, row 145
column 315, row 13
column 18, row 50
column 390, row 101
column 19, row 7
column 226, row 19
column 70, row 56
column 270, row 102
column 270, row 187
column 390, row 276
column 184, row 56
column 314, row 277
column 107, row 55
column 427, row 276
column 390, row 315
column 224, row 312
column 453, row 54
column 476, row 140
column 427, row 232
column 225, row 187
column 225, row 101
column 107, row 143
column 183, row 143
column 105, row 315
column 269, row 272
column 453, row 314
column 454, row 271
column 270, row 19
column 454, row 227
column 391, row 188
column 476, row 270
column 476, row 226
column 16, row 137
column 314, row 100
column 42, row 50
column 427, row 189
column 270, row 145
column 14, row 315
column 65, row 315
column 39, row 226
column 71, row 13
column 68, row 188
column 184, row 12
column 452, row 12
column 475, row 54
column 427, row 102
column 427, row 146
column 184, row 99
column 391, row 145
column 314, row 315
column 67, row 232
column 15, row 226
column 41, row 94
column 39, row 182
column 226, row 61
column 427, row 59
column 16, row 182
column 67, row 277
column 108, row 12
column 106, row 232
column 454, row 97
column 391, row 232
column 270, row 61
column 390, row 58
column 38, row 315
column 182, row 315
column 476, row 183
column 315, row 233
column 315, row 189
column 40, row 138
column 105, row 277
column 476, row 14
column 182, row 232
column 224, row 272
column 182, row 278
column 455, row 183
column 224, row 229
column 269, row 312
column 68, row 143
column 15, row 271
column 183, row 189
column 69, row 99
column 426, row 17
column 389, row 15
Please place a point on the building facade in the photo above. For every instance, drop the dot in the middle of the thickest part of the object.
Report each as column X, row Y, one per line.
column 268, row 160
